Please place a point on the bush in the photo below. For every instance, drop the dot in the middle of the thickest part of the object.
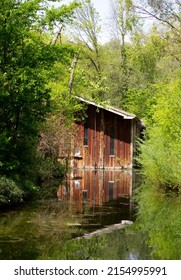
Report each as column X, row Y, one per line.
column 49, row 169
column 161, row 152
column 10, row 193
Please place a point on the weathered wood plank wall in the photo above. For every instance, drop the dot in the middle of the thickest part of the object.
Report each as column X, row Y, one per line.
column 103, row 126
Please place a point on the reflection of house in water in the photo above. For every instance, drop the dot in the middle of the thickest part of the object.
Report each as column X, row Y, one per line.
column 94, row 188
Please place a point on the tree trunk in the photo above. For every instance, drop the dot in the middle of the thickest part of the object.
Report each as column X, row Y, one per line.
column 72, row 73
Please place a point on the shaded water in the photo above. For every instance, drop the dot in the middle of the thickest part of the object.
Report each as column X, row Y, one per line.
column 86, row 201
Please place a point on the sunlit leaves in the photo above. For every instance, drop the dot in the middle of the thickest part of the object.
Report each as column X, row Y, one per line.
column 26, row 66
column 61, row 15
column 161, row 153
column 159, row 217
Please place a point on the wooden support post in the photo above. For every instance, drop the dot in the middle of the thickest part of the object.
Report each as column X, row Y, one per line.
column 102, row 145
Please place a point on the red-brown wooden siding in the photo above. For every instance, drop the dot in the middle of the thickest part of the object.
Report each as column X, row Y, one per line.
column 97, row 153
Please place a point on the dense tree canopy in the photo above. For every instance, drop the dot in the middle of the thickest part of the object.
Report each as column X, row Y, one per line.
column 26, row 64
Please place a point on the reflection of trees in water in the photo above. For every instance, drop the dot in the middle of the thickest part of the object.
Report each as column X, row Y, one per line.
column 124, row 244
column 159, row 216
column 35, row 232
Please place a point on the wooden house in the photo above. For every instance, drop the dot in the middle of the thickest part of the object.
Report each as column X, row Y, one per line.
column 106, row 139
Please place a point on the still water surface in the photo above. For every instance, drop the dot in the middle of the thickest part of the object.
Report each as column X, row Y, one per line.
column 85, row 202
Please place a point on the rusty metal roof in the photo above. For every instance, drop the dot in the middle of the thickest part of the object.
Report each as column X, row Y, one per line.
column 111, row 109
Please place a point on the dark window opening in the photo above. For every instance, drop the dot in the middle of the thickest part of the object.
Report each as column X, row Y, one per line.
column 86, row 133
column 111, row 190
column 84, row 196
column 112, row 141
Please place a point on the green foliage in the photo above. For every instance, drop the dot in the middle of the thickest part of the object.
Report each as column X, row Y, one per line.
column 10, row 193
column 140, row 102
column 87, row 78
column 49, row 169
column 144, row 54
column 59, row 15
column 126, row 17
column 27, row 65
column 24, row 98
column 161, row 152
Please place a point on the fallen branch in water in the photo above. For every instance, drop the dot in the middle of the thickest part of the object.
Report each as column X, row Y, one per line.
column 107, row 229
